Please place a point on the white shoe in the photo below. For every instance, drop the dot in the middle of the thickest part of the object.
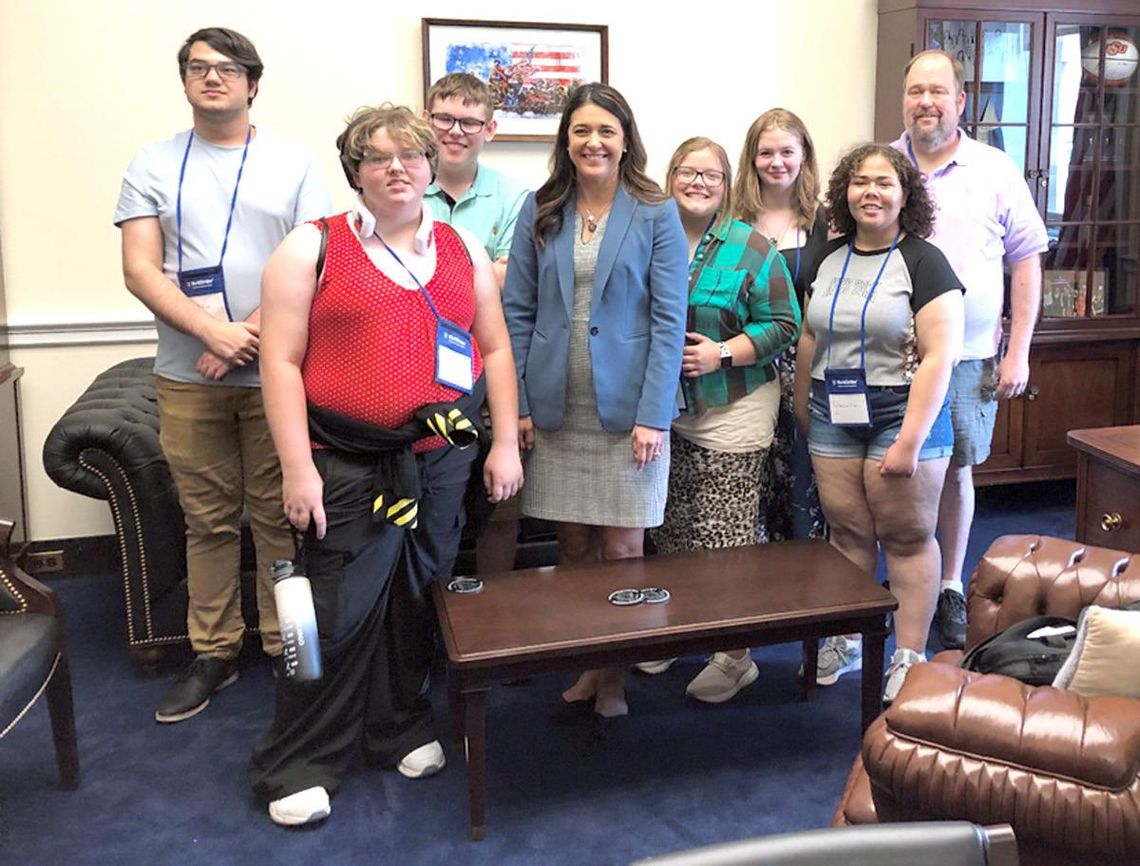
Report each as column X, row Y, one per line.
column 304, row 807
column 425, row 761
column 655, row 667
column 722, row 678
column 901, row 663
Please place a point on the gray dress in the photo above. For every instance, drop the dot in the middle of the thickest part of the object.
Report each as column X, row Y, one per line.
column 582, row 473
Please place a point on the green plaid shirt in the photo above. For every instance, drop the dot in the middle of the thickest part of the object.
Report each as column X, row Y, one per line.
column 739, row 283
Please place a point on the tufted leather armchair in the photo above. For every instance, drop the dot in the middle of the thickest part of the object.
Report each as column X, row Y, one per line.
column 33, row 659
column 1062, row 769
column 106, row 446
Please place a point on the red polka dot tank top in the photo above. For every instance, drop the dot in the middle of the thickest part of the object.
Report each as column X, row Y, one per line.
column 371, row 352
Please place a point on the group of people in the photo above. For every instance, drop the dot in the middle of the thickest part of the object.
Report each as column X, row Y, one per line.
column 719, row 362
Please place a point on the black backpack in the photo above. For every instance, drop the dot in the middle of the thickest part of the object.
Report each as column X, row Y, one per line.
column 1013, row 653
column 1034, row 660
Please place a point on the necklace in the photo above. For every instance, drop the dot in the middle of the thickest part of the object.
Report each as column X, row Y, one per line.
column 773, row 238
column 591, row 220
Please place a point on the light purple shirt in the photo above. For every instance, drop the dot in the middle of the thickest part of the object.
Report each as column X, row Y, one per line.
column 983, row 211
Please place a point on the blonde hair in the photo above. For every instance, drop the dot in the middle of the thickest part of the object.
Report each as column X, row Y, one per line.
column 747, row 192
column 692, row 145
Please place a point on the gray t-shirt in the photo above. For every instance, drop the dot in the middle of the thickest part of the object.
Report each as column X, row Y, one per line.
column 281, row 187
column 915, row 274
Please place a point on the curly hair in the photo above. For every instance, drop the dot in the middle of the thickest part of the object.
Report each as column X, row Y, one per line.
column 917, row 214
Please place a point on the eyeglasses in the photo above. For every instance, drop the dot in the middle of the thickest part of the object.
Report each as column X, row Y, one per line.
column 229, row 71
column 711, row 177
column 469, row 125
column 408, row 159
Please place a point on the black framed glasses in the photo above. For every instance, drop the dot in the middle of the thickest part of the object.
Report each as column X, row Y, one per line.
column 711, row 176
column 228, row 70
column 469, row 125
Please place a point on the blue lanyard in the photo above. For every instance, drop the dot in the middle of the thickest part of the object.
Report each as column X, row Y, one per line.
column 866, row 303
column 233, row 199
column 415, row 279
column 796, row 272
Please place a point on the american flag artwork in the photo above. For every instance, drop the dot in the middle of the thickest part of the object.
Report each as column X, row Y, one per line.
column 528, row 79
column 530, row 67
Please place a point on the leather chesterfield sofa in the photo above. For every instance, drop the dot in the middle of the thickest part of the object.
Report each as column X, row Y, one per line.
column 1061, row 768
column 106, row 446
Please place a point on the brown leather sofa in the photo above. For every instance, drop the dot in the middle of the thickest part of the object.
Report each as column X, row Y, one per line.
column 1062, row 769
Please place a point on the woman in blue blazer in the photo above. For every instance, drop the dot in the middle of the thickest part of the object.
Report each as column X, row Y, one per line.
column 595, row 300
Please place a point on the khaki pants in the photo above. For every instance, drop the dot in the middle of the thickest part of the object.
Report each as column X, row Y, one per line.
column 221, row 456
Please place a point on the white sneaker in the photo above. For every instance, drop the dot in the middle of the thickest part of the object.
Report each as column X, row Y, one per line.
column 655, row 667
column 427, row 760
column 722, row 678
column 901, row 663
column 304, row 807
column 838, row 656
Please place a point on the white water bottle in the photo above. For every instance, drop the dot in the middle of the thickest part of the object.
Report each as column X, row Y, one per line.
column 300, row 645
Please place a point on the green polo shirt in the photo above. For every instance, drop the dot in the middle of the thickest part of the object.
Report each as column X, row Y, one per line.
column 488, row 209
column 739, row 284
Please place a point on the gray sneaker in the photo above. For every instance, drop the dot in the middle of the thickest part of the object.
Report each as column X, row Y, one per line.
column 901, row 663
column 837, row 656
column 722, row 678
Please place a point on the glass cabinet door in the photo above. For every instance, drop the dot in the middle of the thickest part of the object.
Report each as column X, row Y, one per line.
column 1092, row 206
column 998, row 79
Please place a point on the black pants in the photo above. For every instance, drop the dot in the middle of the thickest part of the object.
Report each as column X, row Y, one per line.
column 374, row 616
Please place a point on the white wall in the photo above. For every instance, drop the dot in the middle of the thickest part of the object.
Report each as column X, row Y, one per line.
column 83, row 85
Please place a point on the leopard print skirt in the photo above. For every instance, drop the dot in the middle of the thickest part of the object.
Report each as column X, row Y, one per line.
column 713, row 499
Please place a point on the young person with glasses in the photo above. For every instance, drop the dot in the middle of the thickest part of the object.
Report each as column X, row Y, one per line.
column 486, row 202
column 397, row 326
column 200, row 213
column 742, row 316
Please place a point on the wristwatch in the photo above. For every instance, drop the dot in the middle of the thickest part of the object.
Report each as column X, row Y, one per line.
column 725, row 355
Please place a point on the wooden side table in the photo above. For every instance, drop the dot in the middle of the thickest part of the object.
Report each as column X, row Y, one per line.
column 1108, row 486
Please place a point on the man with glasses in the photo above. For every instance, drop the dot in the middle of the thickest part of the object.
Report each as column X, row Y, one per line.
column 461, row 110
column 200, row 213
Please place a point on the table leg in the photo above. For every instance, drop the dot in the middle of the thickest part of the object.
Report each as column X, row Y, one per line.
column 456, row 708
column 872, row 675
column 811, row 663
column 476, row 728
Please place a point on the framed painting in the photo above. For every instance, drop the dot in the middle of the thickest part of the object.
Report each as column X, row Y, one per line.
column 530, row 67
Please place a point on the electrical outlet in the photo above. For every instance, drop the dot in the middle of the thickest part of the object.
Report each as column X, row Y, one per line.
column 44, row 561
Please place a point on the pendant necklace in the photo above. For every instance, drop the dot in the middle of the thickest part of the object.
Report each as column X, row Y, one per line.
column 775, row 239
column 591, row 220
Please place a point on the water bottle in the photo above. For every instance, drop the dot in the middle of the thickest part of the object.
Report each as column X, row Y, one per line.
column 301, row 649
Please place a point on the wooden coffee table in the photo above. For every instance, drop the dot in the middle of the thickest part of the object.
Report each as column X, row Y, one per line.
column 557, row 618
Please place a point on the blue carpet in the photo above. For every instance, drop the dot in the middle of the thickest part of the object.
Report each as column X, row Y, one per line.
column 559, row 790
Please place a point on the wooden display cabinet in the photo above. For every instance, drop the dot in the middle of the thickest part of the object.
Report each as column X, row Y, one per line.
column 1054, row 84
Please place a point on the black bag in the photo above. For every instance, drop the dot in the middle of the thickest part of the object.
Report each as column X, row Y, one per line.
column 1013, row 653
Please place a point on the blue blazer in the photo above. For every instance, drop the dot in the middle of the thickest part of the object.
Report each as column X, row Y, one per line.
column 637, row 314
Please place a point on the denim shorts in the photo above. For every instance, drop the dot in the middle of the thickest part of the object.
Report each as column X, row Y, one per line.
column 973, row 410
column 888, row 405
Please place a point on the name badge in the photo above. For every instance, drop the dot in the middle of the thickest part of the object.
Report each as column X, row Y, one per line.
column 206, row 287
column 847, row 402
column 454, row 357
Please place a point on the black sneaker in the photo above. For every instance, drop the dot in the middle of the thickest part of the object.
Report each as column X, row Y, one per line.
column 191, row 692
column 951, row 619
